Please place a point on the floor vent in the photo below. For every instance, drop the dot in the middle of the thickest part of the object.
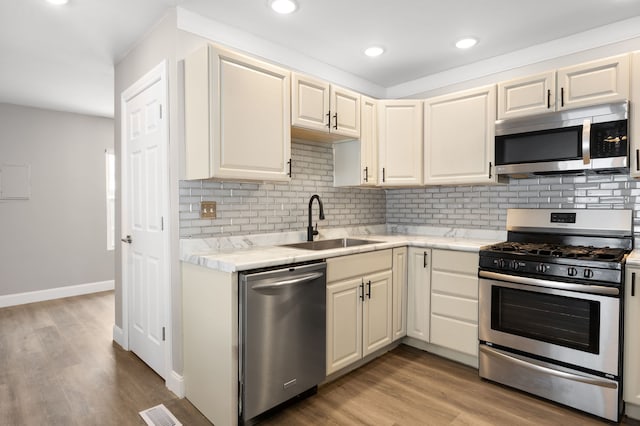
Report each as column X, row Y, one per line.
column 159, row 416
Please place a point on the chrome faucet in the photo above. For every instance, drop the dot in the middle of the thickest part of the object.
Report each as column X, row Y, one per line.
column 310, row 231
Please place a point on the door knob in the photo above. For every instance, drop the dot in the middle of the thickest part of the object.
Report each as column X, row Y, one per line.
column 127, row 240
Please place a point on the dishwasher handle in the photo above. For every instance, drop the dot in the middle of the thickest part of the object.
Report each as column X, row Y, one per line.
column 289, row 281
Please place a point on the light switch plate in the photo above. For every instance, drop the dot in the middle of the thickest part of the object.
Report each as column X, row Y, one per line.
column 208, row 210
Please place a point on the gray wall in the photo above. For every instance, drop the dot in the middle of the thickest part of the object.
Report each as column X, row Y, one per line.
column 251, row 208
column 58, row 237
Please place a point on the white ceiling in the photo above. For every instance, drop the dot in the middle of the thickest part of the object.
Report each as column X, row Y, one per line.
column 62, row 57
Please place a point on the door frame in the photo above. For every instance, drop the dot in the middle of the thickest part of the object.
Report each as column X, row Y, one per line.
column 157, row 73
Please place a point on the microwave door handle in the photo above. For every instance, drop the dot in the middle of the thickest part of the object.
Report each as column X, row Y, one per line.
column 586, row 141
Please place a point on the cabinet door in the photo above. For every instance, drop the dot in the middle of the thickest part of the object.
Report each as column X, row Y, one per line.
column 237, row 117
column 530, row 95
column 634, row 116
column 344, row 323
column 400, row 263
column 309, row 103
column 418, row 293
column 377, row 317
column 632, row 337
column 459, row 137
column 454, row 301
column 602, row 81
column 400, row 143
column 369, row 141
column 345, row 112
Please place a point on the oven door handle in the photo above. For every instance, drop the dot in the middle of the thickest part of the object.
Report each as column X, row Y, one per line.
column 584, row 288
column 542, row 369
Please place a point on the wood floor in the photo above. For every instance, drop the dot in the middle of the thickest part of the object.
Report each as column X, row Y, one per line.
column 60, row 367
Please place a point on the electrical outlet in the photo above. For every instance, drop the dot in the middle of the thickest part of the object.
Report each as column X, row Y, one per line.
column 208, row 210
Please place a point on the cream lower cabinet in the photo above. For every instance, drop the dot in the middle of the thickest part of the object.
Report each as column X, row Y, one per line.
column 400, row 263
column 631, row 379
column 400, row 142
column 418, row 293
column 359, row 307
column 237, row 117
column 454, row 301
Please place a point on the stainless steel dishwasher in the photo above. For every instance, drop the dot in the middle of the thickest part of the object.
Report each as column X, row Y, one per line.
column 282, row 336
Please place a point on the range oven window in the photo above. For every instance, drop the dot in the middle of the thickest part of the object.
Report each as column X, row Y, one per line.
column 545, row 145
column 565, row 321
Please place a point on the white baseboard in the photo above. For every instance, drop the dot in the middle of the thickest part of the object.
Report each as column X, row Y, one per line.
column 118, row 337
column 175, row 383
column 55, row 293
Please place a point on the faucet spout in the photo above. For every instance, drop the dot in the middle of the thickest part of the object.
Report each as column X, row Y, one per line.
column 310, row 231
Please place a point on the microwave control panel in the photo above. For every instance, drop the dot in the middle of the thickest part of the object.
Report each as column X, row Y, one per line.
column 609, row 139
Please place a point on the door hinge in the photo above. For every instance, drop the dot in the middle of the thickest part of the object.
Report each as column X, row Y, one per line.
column 160, row 110
column 163, row 337
column 162, row 223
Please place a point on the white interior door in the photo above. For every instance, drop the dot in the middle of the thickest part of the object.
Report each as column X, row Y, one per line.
column 145, row 270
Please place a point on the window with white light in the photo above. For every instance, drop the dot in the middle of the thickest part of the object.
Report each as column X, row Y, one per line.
column 110, row 162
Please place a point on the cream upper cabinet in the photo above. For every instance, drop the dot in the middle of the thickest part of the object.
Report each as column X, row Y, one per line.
column 454, row 301
column 359, row 306
column 631, row 377
column 400, row 264
column 400, row 142
column 634, row 116
column 527, row 96
column 369, row 142
column 459, row 137
column 323, row 108
column 418, row 293
column 597, row 82
column 237, row 117
column 355, row 162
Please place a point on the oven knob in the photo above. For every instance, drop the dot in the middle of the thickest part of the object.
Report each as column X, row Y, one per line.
column 573, row 272
column 501, row 263
column 542, row 268
column 588, row 273
column 514, row 265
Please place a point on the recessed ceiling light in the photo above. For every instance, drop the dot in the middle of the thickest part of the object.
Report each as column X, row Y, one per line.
column 466, row 43
column 58, row 2
column 374, row 51
column 283, row 6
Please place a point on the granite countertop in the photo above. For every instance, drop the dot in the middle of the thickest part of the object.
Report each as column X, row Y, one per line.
column 234, row 254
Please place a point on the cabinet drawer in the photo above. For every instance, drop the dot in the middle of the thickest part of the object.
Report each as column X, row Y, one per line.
column 454, row 334
column 455, row 307
column 457, row 261
column 454, row 284
column 340, row 268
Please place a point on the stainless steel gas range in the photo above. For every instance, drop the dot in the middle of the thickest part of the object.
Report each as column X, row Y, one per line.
column 550, row 306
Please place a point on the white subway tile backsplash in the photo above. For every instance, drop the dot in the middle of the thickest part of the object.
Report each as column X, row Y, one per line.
column 245, row 208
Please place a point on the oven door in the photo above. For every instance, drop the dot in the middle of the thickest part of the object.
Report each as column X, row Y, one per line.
column 580, row 329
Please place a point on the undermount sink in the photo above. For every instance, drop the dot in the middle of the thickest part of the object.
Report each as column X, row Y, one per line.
column 330, row 244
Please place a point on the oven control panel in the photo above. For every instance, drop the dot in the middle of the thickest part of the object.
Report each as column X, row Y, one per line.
column 550, row 270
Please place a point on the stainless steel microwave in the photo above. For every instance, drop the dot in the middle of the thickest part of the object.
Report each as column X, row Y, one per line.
column 578, row 141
